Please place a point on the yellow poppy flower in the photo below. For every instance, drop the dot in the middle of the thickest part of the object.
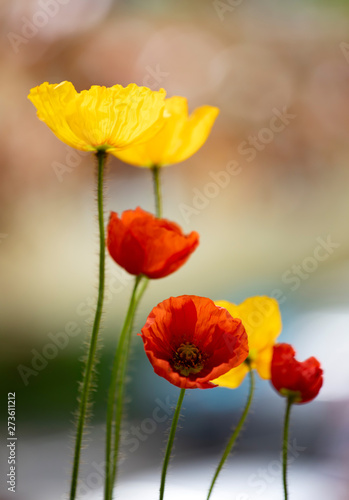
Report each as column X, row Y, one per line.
column 99, row 119
column 178, row 139
column 262, row 320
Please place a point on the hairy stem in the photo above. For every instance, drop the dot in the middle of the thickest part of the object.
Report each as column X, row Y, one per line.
column 235, row 434
column 116, row 389
column 86, row 384
column 170, row 443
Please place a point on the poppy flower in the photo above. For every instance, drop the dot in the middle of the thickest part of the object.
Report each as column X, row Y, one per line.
column 292, row 378
column 99, row 119
column 180, row 137
column 143, row 244
column 262, row 320
column 191, row 341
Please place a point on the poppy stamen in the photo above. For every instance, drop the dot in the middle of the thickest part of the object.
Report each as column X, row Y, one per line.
column 188, row 359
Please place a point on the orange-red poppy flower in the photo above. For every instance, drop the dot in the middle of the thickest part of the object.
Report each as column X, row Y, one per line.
column 191, row 341
column 292, row 378
column 144, row 244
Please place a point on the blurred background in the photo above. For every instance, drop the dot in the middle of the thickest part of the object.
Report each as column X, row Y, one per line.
column 268, row 193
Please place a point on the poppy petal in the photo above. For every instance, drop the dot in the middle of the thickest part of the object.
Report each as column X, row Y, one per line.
column 190, row 341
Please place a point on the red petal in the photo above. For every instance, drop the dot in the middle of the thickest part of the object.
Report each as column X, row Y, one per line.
column 288, row 373
column 143, row 244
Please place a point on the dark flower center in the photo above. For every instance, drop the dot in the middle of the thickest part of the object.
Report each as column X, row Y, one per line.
column 188, row 359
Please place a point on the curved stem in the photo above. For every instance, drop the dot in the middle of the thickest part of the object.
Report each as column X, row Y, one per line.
column 86, row 385
column 285, row 444
column 157, row 190
column 170, row 443
column 235, row 433
column 116, row 389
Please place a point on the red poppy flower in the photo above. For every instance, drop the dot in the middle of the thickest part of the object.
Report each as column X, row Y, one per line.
column 143, row 244
column 190, row 341
column 290, row 377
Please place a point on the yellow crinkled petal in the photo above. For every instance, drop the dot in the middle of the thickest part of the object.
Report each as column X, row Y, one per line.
column 261, row 318
column 233, row 378
column 99, row 118
column 180, row 137
column 52, row 102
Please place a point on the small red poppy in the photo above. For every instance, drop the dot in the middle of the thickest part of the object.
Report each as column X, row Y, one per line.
column 290, row 377
column 143, row 244
column 190, row 341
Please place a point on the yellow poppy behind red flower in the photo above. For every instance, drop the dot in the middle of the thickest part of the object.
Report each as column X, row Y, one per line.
column 262, row 320
column 180, row 137
column 99, row 119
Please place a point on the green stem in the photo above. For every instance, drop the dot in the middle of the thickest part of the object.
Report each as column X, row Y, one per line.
column 289, row 403
column 116, row 389
column 86, row 385
column 120, row 386
column 170, row 443
column 157, row 190
column 235, row 433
